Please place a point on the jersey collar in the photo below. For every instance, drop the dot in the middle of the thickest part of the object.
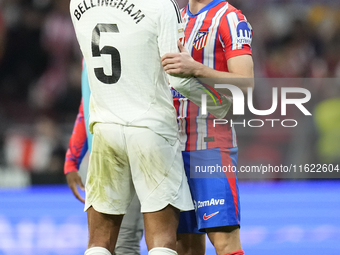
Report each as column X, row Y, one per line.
column 205, row 8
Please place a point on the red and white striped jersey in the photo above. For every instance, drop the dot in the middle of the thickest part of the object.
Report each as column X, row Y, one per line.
column 216, row 33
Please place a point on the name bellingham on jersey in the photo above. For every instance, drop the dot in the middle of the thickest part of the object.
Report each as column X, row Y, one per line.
column 124, row 6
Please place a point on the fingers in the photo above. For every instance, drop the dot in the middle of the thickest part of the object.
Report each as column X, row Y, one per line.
column 169, row 63
column 174, row 55
column 169, row 56
column 173, row 71
column 76, row 194
column 170, row 67
column 73, row 181
column 174, row 60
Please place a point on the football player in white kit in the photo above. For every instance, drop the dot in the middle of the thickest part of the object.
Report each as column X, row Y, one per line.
column 133, row 120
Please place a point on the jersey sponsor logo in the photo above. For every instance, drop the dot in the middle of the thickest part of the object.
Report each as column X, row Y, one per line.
column 206, row 203
column 207, row 217
column 176, row 94
column 201, row 39
column 244, row 33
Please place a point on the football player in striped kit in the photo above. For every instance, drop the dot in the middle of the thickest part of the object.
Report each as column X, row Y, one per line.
column 217, row 46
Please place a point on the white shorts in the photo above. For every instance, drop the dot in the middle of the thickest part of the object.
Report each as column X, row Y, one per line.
column 127, row 160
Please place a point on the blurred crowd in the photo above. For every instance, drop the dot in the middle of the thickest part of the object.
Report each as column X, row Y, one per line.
column 40, row 71
column 40, row 74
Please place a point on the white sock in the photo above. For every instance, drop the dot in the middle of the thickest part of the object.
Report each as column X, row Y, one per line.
column 97, row 251
column 162, row 251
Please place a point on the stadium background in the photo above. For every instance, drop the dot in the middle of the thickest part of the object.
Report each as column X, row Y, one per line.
column 294, row 213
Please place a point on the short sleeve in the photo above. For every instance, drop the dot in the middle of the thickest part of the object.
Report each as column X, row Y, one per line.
column 235, row 34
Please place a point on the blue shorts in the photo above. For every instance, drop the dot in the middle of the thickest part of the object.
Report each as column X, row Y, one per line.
column 213, row 184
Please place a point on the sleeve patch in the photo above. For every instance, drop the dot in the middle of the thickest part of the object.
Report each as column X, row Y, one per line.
column 244, row 33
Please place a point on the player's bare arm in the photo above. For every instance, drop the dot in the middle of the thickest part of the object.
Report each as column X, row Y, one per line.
column 240, row 73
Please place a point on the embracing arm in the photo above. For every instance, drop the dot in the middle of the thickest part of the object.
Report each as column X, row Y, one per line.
column 240, row 67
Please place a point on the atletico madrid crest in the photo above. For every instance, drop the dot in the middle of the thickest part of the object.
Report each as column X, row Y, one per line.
column 201, row 39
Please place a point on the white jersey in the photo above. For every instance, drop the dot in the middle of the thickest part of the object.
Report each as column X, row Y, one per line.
column 122, row 42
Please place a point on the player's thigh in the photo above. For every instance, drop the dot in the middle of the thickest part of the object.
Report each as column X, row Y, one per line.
column 109, row 187
column 157, row 171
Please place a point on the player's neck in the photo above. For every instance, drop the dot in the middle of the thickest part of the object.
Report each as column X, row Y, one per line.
column 196, row 5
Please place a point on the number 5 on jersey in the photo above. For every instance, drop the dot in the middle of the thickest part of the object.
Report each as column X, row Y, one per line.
column 97, row 52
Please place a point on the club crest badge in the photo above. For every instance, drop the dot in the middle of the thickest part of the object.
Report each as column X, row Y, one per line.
column 200, row 40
